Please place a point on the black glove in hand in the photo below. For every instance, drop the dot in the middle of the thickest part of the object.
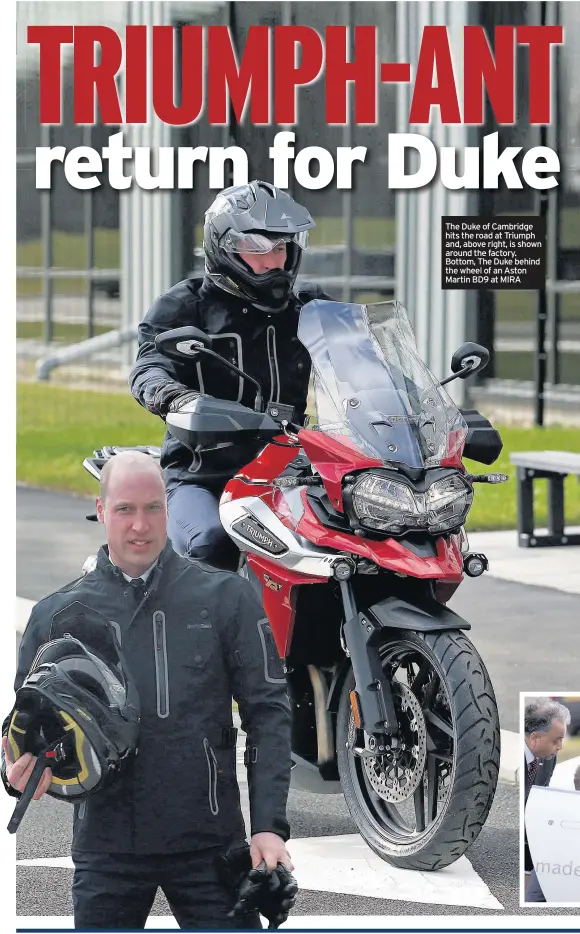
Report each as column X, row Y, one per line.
column 277, row 898
column 171, row 396
column 273, row 894
column 249, row 890
column 183, row 399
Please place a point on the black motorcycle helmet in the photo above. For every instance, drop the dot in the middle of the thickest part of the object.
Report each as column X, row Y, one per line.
column 253, row 218
column 84, row 709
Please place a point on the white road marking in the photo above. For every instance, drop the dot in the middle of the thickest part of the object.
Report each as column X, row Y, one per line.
column 347, row 866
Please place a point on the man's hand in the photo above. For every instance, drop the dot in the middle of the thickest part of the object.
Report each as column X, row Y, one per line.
column 183, row 399
column 170, row 395
column 19, row 772
column 269, row 848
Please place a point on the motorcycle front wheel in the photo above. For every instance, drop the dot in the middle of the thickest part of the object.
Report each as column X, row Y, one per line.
column 422, row 800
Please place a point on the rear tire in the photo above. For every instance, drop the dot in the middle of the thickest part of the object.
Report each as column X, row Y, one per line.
column 451, row 684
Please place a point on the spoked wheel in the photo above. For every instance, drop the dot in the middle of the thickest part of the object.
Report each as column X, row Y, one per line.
column 422, row 800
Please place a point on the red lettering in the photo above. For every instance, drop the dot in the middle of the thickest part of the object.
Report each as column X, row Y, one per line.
column 288, row 75
column 191, row 80
column 136, row 74
column 89, row 76
column 225, row 76
column 50, row 39
column 362, row 71
column 497, row 76
column 540, row 40
column 434, row 53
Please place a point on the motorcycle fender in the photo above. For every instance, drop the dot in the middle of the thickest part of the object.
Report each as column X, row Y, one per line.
column 422, row 615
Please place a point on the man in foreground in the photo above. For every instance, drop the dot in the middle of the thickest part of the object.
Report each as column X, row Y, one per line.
column 195, row 638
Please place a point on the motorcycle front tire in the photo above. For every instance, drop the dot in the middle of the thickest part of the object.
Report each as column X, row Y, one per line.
column 475, row 766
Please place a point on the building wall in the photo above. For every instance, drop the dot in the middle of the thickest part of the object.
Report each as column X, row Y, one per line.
column 90, row 261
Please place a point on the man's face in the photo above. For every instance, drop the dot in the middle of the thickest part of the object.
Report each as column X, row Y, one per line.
column 135, row 518
column 264, row 262
column 547, row 745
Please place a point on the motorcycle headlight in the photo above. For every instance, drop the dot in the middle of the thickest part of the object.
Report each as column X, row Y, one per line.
column 447, row 502
column 387, row 505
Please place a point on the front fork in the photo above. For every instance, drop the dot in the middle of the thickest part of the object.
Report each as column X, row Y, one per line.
column 373, row 706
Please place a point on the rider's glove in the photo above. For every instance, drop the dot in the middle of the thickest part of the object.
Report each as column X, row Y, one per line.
column 273, row 894
column 277, row 896
column 171, row 396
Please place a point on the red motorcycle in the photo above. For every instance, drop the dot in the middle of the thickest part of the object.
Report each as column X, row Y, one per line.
column 352, row 531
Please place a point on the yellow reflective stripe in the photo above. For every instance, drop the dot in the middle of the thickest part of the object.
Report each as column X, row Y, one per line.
column 79, row 740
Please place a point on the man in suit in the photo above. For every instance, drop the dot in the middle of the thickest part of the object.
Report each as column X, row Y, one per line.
column 545, row 725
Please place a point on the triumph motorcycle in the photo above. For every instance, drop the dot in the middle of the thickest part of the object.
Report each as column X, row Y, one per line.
column 352, row 531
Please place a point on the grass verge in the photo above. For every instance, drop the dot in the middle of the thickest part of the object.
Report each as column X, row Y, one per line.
column 58, row 427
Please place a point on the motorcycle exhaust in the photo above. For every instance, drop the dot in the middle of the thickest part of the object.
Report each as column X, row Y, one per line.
column 324, row 731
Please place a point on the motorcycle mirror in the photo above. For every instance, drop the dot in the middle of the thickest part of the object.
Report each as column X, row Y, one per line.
column 182, row 342
column 468, row 359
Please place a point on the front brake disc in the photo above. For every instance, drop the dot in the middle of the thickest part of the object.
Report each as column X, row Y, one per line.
column 396, row 774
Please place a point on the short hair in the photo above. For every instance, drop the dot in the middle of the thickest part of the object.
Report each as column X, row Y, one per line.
column 577, row 779
column 140, row 461
column 540, row 713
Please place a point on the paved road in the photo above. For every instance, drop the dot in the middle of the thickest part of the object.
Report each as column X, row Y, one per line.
column 517, row 630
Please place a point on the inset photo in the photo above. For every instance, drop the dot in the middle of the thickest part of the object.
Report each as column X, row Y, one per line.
column 550, row 799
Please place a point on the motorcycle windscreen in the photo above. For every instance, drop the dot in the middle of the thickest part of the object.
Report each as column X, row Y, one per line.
column 372, row 390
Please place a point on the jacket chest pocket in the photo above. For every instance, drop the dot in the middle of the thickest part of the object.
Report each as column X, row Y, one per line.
column 199, row 642
column 185, row 654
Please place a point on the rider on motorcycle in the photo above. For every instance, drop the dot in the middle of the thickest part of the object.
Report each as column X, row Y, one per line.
column 249, row 304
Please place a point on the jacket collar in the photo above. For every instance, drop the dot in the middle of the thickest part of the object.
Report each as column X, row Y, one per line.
column 209, row 289
column 110, row 570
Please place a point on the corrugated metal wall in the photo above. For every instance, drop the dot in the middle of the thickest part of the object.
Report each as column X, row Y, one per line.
column 439, row 317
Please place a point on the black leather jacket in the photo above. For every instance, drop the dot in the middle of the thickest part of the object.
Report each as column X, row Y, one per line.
column 197, row 638
column 264, row 346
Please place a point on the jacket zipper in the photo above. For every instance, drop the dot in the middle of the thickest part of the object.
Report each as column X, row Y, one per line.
column 212, row 777
column 161, row 673
column 273, row 361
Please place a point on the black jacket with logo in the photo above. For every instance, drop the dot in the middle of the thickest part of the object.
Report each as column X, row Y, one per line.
column 265, row 346
column 197, row 639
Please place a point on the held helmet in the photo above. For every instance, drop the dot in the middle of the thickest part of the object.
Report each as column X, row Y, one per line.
column 255, row 218
column 84, row 710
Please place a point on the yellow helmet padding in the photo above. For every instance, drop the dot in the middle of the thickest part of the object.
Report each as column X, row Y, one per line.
column 80, row 741
column 15, row 750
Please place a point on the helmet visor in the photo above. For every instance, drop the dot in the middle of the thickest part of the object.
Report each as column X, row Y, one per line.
column 238, row 242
